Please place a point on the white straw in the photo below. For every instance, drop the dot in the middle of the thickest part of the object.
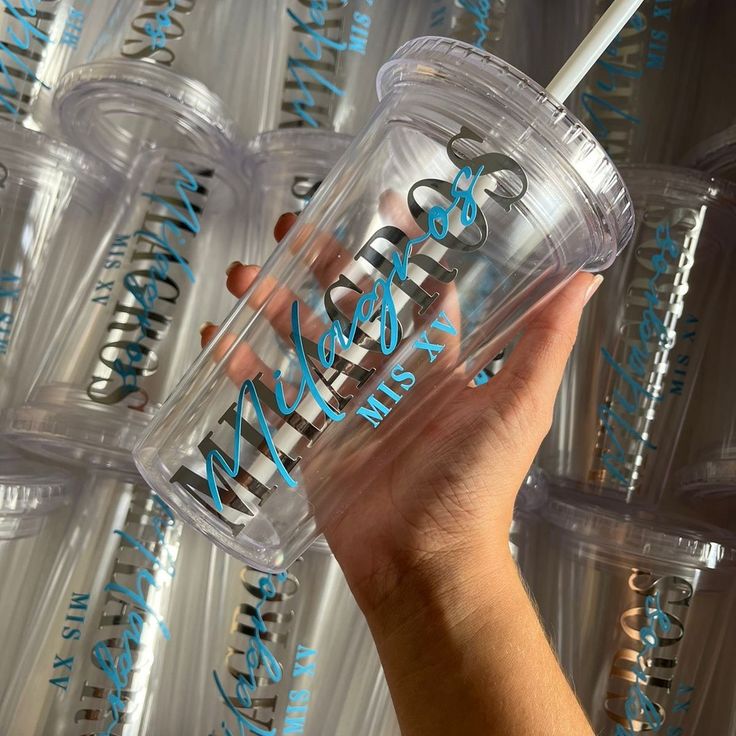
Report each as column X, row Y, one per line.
column 593, row 45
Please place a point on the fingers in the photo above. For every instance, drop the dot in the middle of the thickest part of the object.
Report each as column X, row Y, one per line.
column 528, row 384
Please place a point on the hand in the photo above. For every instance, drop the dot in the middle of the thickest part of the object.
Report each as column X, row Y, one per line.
column 449, row 496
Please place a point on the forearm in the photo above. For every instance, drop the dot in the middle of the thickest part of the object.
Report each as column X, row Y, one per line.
column 464, row 653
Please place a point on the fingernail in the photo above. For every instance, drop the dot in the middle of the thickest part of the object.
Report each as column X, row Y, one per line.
column 205, row 326
column 231, row 268
column 594, row 286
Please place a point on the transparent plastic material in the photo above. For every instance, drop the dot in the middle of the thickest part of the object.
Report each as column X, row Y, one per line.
column 170, row 74
column 134, row 327
column 313, row 666
column 550, row 203
column 39, row 41
column 638, row 98
column 636, row 607
column 92, row 649
column 27, row 563
column 706, row 454
column 55, row 204
column 646, row 341
column 325, row 57
column 509, row 29
column 29, row 491
column 285, row 169
column 716, row 155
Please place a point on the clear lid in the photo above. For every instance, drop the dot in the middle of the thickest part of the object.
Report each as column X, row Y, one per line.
column 688, row 187
column 302, row 150
column 28, row 156
column 493, row 83
column 616, row 526
column 716, row 155
column 28, row 491
column 116, row 108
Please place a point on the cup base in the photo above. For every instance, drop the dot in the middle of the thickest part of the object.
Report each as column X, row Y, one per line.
column 60, row 423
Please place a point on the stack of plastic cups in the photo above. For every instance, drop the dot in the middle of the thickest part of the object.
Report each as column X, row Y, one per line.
column 638, row 97
column 93, row 645
column 625, row 431
column 716, row 155
column 636, row 607
column 285, row 653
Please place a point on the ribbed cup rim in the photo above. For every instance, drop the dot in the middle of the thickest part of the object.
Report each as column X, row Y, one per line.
column 678, row 182
column 298, row 140
column 29, row 487
column 159, row 92
column 25, row 152
column 715, row 154
column 620, row 527
column 436, row 59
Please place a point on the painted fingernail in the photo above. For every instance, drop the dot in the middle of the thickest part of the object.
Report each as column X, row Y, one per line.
column 594, row 286
column 205, row 326
column 232, row 267
column 283, row 225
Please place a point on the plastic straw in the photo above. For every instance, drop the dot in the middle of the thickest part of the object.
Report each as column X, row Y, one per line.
column 593, row 45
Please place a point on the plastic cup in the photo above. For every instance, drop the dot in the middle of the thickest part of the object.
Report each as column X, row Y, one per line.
column 40, row 40
column 28, row 492
column 636, row 607
column 313, row 667
column 55, row 204
column 92, row 649
column 325, row 56
column 285, row 169
column 552, row 204
column 716, row 155
column 637, row 99
column 705, row 475
column 646, row 342
column 179, row 88
column 134, row 329
column 26, row 562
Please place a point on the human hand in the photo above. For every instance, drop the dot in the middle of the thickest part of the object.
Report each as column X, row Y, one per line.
column 450, row 496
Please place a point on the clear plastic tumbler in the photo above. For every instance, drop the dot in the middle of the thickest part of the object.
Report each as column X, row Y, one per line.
column 175, row 74
column 28, row 492
column 490, row 199
column 326, row 56
column 645, row 339
column 285, row 169
column 716, row 155
column 284, row 653
column 56, row 204
column 92, row 648
column 133, row 330
column 637, row 608
column 39, row 41
column 639, row 97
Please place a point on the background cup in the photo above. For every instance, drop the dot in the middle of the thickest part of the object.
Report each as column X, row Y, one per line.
column 644, row 339
column 93, row 646
column 602, row 569
column 134, row 327
column 179, row 90
column 55, row 205
column 637, row 98
column 40, row 40
column 27, row 563
column 28, row 492
column 285, row 168
column 571, row 212
column 325, row 58
column 716, row 155
column 321, row 674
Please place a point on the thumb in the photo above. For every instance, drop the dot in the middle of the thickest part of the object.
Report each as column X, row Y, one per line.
column 527, row 385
